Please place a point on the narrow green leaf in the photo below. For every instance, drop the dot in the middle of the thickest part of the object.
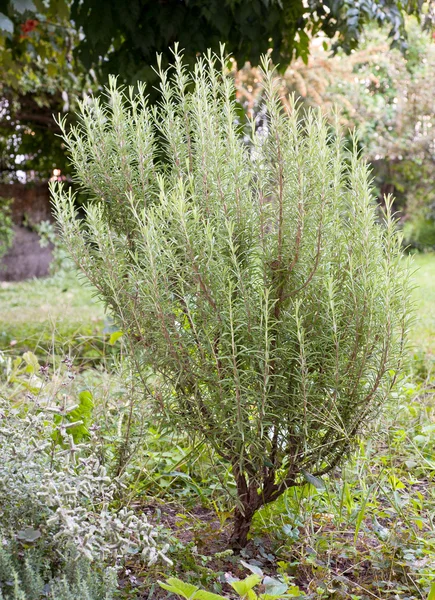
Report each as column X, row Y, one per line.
column 316, row 481
column 361, row 514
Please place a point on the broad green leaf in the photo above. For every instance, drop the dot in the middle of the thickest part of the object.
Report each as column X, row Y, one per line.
column 203, row 595
column 60, row 8
column 395, row 483
column 29, row 534
column 253, row 568
column 244, row 586
column 83, row 413
column 176, row 586
column 292, row 592
column 31, row 361
column 432, row 592
column 86, row 404
column 274, row 587
column 114, row 337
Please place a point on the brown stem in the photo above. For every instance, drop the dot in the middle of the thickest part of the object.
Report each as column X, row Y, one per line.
column 242, row 525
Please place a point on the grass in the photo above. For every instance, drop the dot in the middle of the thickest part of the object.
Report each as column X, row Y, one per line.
column 57, row 312
column 423, row 332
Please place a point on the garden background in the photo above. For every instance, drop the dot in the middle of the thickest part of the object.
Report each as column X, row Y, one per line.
column 365, row 531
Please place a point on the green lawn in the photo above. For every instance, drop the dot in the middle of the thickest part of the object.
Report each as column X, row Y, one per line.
column 44, row 313
column 423, row 331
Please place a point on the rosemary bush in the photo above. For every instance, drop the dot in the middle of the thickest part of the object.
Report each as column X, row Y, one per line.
column 249, row 271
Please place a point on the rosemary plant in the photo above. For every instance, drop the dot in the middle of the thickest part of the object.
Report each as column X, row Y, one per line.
column 249, row 271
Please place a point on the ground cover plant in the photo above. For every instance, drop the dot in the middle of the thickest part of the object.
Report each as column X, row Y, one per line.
column 250, row 274
column 64, row 530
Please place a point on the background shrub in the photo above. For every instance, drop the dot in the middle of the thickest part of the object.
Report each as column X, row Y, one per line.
column 6, row 230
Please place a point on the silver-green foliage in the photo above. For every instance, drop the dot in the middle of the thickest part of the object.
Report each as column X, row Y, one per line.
column 251, row 273
column 61, row 495
column 25, row 575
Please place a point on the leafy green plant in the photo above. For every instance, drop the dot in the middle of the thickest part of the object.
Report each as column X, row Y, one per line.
column 61, row 262
column 252, row 274
column 6, row 230
column 109, row 41
column 419, row 231
column 388, row 97
column 274, row 589
column 54, row 486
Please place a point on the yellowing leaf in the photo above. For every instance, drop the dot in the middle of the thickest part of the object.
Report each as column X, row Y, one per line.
column 114, row 337
column 31, row 361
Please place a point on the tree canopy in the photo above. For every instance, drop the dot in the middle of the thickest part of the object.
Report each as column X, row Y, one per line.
column 54, row 50
column 40, row 77
column 123, row 38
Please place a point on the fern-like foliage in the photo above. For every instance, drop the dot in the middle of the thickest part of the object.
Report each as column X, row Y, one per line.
column 250, row 272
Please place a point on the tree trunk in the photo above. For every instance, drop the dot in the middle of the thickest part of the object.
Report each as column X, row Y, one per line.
column 242, row 525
